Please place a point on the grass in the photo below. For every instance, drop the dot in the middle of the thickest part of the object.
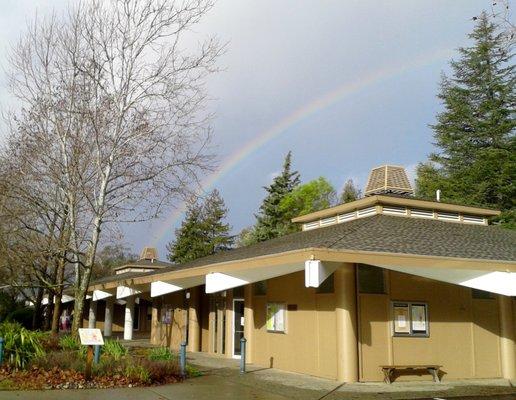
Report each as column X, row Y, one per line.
column 160, row 354
column 113, row 348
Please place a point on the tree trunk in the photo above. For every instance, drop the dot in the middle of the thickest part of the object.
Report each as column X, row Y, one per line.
column 36, row 320
column 59, row 293
column 49, row 308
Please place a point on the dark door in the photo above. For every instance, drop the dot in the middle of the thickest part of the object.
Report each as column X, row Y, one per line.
column 238, row 325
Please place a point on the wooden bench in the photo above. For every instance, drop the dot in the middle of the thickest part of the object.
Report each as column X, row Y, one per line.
column 388, row 370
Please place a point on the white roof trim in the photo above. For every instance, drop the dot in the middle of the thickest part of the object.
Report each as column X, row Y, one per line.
column 499, row 282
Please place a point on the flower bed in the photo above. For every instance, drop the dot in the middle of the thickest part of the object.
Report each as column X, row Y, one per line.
column 59, row 364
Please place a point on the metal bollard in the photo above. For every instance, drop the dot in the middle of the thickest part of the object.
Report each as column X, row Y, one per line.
column 1, row 350
column 182, row 359
column 96, row 357
column 243, row 341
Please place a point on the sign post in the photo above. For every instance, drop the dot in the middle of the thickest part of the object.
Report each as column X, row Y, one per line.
column 90, row 338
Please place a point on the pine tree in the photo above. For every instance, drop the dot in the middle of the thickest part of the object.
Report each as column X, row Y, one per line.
column 203, row 231
column 216, row 231
column 271, row 218
column 350, row 192
column 190, row 242
column 476, row 161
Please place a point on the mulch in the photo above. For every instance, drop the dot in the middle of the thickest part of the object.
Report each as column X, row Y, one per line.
column 36, row 378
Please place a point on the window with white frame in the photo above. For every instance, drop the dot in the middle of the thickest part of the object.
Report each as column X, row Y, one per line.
column 276, row 316
column 410, row 319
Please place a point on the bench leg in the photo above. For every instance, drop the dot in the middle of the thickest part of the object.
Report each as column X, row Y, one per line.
column 387, row 375
column 435, row 374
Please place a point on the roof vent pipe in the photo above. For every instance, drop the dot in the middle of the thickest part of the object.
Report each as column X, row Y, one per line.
column 438, row 194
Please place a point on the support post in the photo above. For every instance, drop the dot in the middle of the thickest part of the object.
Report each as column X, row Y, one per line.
column 129, row 318
column 155, row 325
column 346, row 317
column 242, row 355
column 89, row 361
column 96, row 358
column 108, row 316
column 507, row 339
column 1, row 350
column 182, row 359
column 92, row 314
column 194, row 331
column 248, row 321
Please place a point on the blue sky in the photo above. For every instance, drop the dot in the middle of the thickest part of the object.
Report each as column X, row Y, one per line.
column 283, row 55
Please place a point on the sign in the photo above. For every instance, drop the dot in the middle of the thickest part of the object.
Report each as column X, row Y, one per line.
column 276, row 317
column 418, row 318
column 167, row 317
column 91, row 337
column 401, row 319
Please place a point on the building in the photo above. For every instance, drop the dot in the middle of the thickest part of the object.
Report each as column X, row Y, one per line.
column 387, row 279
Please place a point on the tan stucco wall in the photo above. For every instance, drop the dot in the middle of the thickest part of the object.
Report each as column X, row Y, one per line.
column 170, row 335
column 514, row 320
column 464, row 332
column 309, row 344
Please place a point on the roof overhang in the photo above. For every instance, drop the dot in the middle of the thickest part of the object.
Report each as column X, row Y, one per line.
column 478, row 273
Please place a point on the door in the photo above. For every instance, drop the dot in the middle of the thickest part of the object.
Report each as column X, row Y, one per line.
column 238, row 325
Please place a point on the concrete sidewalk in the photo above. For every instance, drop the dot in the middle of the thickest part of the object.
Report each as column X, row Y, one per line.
column 222, row 380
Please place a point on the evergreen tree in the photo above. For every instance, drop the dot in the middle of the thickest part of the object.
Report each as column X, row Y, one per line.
column 215, row 229
column 476, row 161
column 190, row 242
column 271, row 217
column 350, row 192
column 203, row 231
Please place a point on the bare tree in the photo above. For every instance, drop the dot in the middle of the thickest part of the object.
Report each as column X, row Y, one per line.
column 115, row 99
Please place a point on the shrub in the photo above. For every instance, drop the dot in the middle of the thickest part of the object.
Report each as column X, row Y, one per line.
column 160, row 354
column 113, row 348
column 69, row 342
column 50, row 342
column 21, row 345
column 137, row 372
column 22, row 315
column 65, row 360
column 192, row 372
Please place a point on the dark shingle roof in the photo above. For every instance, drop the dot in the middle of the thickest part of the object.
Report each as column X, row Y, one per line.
column 382, row 233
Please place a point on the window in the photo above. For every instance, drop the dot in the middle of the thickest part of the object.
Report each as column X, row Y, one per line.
column 276, row 317
column 410, row 319
column 327, row 286
column 481, row 294
column 260, row 288
column 371, row 279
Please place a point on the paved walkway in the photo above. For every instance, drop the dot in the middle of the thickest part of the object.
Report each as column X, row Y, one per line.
column 222, row 380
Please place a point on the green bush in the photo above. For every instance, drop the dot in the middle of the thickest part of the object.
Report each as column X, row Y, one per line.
column 113, row 348
column 137, row 372
column 192, row 372
column 21, row 345
column 22, row 315
column 160, row 354
column 69, row 342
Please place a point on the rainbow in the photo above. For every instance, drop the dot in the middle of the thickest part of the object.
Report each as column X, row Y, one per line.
column 359, row 83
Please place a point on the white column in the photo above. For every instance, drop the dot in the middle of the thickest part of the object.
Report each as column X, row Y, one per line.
column 92, row 314
column 129, row 318
column 108, row 316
